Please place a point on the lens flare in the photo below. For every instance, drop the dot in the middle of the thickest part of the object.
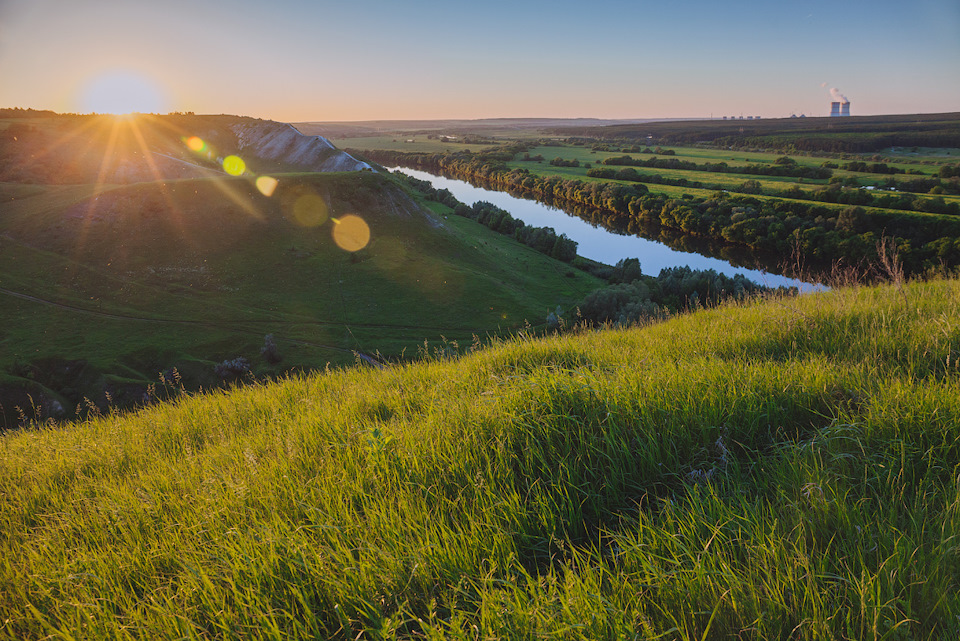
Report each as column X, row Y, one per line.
column 267, row 185
column 351, row 233
column 234, row 165
column 196, row 144
column 310, row 210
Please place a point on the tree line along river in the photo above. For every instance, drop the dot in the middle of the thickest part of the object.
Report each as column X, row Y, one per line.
column 600, row 244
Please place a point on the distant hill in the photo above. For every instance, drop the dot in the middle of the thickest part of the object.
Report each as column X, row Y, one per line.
column 484, row 126
column 65, row 149
column 854, row 134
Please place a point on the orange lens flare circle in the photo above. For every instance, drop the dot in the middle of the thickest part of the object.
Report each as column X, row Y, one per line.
column 351, row 233
column 310, row 210
column 234, row 165
column 196, row 144
column 266, row 185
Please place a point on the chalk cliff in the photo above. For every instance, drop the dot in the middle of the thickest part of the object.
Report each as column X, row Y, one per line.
column 282, row 142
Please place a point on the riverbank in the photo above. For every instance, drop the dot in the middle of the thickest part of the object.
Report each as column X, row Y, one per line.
column 663, row 250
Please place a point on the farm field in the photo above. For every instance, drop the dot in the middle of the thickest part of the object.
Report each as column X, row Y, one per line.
column 916, row 161
column 730, row 181
column 858, row 134
column 420, row 143
column 711, row 180
column 927, row 167
column 926, row 160
column 702, row 155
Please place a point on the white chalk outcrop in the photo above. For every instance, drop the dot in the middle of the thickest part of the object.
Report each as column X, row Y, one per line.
column 282, row 142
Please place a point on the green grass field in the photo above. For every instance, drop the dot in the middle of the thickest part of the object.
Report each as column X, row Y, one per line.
column 133, row 280
column 726, row 180
column 927, row 161
column 401, row 142
column 772, row 470
column 730, row 181
column 703, row 155
column 554, row 142
column 950, row 154
column 927, row 165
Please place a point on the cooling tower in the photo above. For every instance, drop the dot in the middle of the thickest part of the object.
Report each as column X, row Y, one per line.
column 845, row 109
column 835, row 109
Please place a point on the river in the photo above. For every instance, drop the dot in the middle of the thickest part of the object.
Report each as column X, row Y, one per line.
column 598, row 243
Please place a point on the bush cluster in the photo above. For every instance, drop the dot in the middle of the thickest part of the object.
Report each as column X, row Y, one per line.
column 633, row 298
column 232, row 368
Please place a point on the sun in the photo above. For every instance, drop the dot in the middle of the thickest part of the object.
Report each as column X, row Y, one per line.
column 121, row 92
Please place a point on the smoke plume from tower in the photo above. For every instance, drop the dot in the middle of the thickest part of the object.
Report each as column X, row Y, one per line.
column 840, row 105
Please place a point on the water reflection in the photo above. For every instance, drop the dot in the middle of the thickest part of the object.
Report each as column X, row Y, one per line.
column 603, row 237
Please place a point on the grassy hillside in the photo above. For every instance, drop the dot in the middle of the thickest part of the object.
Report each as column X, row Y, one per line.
column 768, row 471
column 127, row 251
column 125, row 282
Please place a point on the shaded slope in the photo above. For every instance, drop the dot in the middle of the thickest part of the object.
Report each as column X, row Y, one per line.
column 137, row 279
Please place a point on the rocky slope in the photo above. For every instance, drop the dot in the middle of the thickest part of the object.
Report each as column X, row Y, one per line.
column 281, row 142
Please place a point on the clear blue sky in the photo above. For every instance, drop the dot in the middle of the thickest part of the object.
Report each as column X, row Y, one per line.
column 296, row 60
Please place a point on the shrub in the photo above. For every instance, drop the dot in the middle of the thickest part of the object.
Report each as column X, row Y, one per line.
column 269, row 351
column 232, row 368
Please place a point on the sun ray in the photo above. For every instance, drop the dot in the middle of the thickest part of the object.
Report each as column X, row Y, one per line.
column 147, row 152
column 166, row 124
column 135, row 139
column 176, row 212
column 220, row 181
column 224, row 186
column 63, row 139
column 97, row 189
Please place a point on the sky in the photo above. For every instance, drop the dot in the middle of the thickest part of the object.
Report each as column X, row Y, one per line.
column 300, row 60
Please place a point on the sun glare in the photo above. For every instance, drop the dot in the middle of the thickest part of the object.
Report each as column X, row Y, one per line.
column 121, row 93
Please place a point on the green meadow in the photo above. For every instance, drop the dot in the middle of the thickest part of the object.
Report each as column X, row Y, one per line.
column 727, row 181
column 772, row 469
column 922, row 165
column 927, row 163
column 119, row 283
column 702, row 155
column 408, row 142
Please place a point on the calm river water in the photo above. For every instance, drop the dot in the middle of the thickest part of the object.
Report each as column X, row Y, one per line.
column 597, row 243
